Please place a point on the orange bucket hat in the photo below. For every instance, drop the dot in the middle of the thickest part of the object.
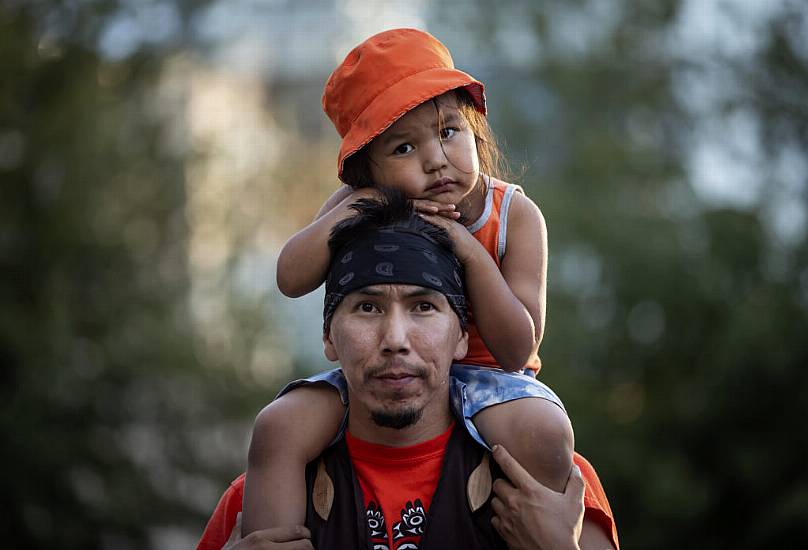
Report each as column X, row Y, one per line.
column 383, row 78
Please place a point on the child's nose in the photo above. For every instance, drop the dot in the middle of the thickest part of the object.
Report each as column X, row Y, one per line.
column 434, row 156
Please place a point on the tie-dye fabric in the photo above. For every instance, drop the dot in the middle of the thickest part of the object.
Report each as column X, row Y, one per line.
column 471, row 389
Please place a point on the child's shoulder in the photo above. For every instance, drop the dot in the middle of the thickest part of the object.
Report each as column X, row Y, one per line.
column 502, row 185
column 523, row 215
column 520, row 203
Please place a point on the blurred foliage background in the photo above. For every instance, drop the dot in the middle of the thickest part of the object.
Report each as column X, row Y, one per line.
column 155, row 154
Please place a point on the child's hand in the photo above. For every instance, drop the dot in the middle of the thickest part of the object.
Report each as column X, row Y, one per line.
column 425, row 206
column 465, row 245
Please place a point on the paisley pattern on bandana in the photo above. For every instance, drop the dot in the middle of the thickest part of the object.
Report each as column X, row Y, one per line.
column 394, row 255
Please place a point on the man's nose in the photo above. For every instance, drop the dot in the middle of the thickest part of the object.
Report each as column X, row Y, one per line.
column 395, row 336
column 434, row 155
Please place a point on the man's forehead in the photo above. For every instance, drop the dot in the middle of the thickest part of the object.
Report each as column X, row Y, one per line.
column 393, row 290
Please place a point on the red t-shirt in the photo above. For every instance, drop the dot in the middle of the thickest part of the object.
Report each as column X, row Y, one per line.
column 397, row 484
column 223, row 520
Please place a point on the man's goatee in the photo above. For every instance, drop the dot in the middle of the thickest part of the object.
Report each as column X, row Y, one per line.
column 397, row 420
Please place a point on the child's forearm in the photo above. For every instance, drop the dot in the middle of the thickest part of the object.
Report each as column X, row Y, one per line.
column 506, row 324
column 507, row 328
column 303, row 261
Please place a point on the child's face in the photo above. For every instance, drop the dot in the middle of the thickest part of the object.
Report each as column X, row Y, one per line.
column 428, row 154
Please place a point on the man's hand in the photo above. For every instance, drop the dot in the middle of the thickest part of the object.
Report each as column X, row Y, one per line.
column 290, row 537
column 529, row 515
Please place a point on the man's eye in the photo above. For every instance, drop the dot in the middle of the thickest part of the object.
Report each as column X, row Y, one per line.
column 367, row 307
column 403, row 149
column 424, row 307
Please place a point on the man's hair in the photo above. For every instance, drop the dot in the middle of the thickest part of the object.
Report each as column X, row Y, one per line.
column 392, row 208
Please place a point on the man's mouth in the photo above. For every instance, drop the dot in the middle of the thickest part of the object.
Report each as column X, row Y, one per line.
column 397, row 376
column 397, row 379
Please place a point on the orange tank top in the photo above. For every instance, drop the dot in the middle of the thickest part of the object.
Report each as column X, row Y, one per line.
column 491, row 229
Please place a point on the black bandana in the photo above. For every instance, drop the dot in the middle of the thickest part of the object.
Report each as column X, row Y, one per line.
column 394, row 255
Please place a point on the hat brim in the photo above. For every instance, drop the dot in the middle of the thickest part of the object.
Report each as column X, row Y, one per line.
column 390, row 105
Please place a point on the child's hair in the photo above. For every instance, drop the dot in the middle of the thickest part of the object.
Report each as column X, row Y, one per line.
column 356, row 171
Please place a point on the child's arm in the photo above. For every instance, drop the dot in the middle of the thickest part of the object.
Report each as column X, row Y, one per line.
column 290, row 432
column 303, row 261
column 508, row 305
column 524, row 266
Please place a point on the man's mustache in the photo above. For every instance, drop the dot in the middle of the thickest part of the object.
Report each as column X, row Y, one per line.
column 396, row 366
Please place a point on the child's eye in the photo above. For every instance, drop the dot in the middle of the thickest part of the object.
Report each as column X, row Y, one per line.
column 448, row 133
column 403, row 149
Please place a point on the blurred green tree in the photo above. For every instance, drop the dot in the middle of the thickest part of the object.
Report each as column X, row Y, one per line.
column 112, row 435
column 676, row 325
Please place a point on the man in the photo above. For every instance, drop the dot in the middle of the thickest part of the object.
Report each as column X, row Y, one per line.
column 405, row 475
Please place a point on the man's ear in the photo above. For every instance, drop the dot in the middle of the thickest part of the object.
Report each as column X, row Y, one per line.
column 462, row 345
column 328, row 346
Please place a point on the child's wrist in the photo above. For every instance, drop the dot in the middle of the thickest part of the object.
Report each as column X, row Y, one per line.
column 470, row 252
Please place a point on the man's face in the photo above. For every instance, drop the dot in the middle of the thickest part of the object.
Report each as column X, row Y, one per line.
column 395, row 344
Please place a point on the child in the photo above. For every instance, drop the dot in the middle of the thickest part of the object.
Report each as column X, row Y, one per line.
column 410, row 120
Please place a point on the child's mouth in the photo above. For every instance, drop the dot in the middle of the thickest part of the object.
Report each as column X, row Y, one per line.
column 441, row 185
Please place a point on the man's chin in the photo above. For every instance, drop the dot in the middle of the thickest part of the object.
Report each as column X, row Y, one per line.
column 397, row 420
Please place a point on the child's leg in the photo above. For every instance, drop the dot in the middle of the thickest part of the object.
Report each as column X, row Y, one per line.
column 536, row 432
column 288, row 433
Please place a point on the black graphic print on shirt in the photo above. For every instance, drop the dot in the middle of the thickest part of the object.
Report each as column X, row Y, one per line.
column 406, row 532
column 412, row 522
column 377, row 530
